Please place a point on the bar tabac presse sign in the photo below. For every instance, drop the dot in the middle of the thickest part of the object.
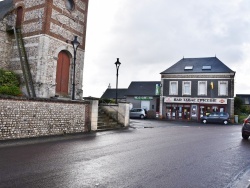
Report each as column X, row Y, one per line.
column 195, row 100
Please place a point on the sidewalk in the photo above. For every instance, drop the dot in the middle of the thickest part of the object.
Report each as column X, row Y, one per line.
column 44, row 139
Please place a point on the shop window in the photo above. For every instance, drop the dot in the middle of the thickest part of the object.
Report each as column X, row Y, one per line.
column 168, row 112
column 186, row 112
column 202, row 111
column 180, row 111
column 173, row 85
column 215, row 108
column 186, row 88
column 208, row 110
column 223, row 88
column 194, row 111
column 174, row 112
column 202, row 88
column 222, row 109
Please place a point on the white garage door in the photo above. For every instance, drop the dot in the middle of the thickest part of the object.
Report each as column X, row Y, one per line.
column 145, row 105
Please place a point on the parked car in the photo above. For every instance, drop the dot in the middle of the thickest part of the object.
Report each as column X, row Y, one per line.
column 216, row 117
column 246, row 128
column 138, row 113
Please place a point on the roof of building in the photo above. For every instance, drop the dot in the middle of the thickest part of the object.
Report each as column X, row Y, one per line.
column 5, row 7
column 243, row 96
column 146, row 88
column 198, row 65
column 111, row 94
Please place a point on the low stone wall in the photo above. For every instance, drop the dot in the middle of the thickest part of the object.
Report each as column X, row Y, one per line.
column 23, row 118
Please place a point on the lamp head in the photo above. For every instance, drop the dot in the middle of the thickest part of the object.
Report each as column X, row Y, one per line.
column 75, row 43
column 117, row 63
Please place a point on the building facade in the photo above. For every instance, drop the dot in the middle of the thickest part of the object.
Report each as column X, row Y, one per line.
column 46, row 28
column 140, row 94
column 145, row 95
column 194, row 87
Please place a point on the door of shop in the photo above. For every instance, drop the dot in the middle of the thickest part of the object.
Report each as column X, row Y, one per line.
column 186, row 112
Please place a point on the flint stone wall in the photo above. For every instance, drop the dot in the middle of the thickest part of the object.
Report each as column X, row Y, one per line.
column 23, row 118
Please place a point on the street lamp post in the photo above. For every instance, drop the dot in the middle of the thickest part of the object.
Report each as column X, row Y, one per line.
column 117, row 64
column 75, row 45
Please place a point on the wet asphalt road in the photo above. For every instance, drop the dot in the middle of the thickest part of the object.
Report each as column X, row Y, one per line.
column 149, row 154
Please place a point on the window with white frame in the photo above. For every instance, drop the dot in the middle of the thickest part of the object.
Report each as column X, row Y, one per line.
column 202, row 88
column 223, row 88
column 186, row 88
column 246, row 101
column 173, row 88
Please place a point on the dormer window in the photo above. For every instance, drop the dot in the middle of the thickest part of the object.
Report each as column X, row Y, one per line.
column 188, row 68
column 206, row 67
column 70, row 5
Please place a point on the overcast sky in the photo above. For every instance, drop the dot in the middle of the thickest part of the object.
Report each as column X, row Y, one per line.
column 151, row 35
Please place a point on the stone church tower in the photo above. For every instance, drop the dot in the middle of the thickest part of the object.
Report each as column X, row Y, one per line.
column 36, row 42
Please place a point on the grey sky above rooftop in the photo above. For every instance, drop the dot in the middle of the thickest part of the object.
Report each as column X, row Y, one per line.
column 150, row 36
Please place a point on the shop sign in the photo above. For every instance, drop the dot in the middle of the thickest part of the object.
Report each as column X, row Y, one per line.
column 195, row 100
column 143, row 98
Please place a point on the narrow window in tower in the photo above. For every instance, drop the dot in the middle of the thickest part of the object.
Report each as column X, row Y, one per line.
column 70, row 5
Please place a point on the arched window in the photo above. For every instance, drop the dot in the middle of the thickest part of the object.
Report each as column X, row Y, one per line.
column 70, row 5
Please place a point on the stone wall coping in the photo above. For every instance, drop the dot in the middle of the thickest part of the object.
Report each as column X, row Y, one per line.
column 90, row 98
column 52, row 100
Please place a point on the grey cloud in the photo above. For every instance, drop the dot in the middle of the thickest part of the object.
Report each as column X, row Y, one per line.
column 153, row 34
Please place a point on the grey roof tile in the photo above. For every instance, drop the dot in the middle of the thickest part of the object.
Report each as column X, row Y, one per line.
column 146, row 88
column 5, row 7
column 111, row 94
column 216, row 66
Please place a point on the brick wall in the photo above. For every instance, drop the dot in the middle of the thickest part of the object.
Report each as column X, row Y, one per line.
column 23, row 118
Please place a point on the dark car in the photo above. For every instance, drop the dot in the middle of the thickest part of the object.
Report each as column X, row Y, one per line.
column 246, row 128
column 216, row 117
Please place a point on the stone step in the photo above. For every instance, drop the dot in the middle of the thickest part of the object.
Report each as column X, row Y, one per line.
column 108, row 127
column 105, row 121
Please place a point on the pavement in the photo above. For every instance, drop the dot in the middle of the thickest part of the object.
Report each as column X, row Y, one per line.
column 241, row 180
column 134, row 124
